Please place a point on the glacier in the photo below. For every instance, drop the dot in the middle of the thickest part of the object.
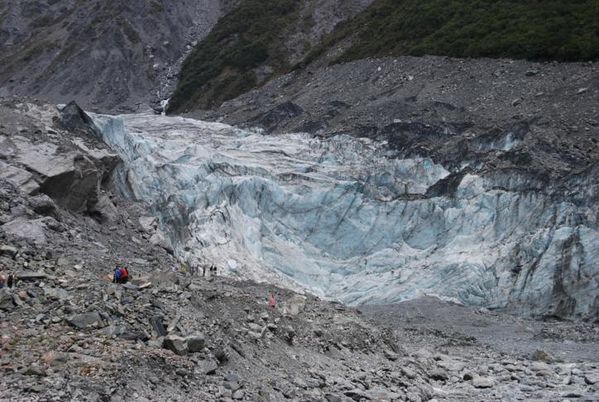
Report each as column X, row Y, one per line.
column 348, row 219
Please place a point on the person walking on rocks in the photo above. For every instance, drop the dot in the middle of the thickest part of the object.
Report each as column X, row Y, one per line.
column 272, row 301
column 121, row 275
column 2, row 280
column 11, row 281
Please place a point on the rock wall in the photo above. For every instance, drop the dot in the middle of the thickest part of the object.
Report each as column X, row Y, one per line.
column 44, row 150
column 106, row 55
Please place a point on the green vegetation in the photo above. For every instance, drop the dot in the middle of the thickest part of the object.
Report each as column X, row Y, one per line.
column 564, row 30
column 221, row 66
column 252, row 35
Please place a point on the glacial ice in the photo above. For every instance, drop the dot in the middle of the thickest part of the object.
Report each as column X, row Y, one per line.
column 340, row 218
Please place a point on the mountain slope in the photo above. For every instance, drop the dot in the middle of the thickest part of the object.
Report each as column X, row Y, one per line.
column 251, row 44
column 107, row 55
column 223, row 67
column 534, row 30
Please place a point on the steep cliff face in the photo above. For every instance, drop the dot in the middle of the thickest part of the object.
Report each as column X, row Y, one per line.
column 353, row 219
column 106, row 55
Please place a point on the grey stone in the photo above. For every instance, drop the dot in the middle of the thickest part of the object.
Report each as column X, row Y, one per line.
column 26, row 229
column 408, row 372
column 389, row 354
column 175, row 344
column 75, row 120
column 482, row 382
column 9, row 251
column 148, row 224
column 438, row 374
column 333, row 398
column 31, row 276
column 43, row 205
column 591, row 378
column 6, row 300
column 157, row 325
column 207, row 367
column 196, row 343
column 56, row 294
column 85, row 320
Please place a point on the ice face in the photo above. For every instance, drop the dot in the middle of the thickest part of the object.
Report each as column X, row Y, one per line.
column 342, row 219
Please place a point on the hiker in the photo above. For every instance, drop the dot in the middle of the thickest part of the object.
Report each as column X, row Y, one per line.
column 203, row 270
column 11, row 281
column 272, row 301
column 2, row 280
column 121, row 275
column 213, row 270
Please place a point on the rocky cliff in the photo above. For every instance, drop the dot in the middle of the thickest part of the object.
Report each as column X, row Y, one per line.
column 106, row 55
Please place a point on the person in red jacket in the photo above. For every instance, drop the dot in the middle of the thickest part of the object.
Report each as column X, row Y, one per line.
column 121, row 275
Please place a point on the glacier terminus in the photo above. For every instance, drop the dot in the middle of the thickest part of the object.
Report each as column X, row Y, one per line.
column 349, row 219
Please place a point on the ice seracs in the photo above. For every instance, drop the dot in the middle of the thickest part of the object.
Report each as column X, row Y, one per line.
column 345, row 219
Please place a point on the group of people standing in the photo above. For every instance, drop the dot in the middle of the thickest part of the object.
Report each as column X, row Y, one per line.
column 212, row 268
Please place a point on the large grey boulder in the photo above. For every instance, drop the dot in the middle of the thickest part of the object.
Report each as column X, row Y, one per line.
column 43, row 205
column 6, row 300
column 8, row 251
column 74, row 119
column 196, row 342
column 175, row 344
column 69, row 166
column 85, row 320
column 31, row 230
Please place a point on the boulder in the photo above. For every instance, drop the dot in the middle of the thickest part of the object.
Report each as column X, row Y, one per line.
column 175, row 344
column 389, row 354
column 85, row 320
column 289, row 334
column 438, row 374
column 33, row 231
column 158, row 326
column 207, row 367
column 148, row 224
column 158, row 239
column 104, row 210
column 591, row 378
column 30, row 276
column 294, row 305
column 18, row 177
column 196, row 343
column 8, row 251
column 482, row 382
column 43, row 205
column 6, row 300
column 56, row 294
column 74, row 119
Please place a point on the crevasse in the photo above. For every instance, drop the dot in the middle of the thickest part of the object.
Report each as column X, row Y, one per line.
column 346, row 219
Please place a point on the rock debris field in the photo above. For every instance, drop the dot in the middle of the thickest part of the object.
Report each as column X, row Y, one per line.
column 68, row 333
